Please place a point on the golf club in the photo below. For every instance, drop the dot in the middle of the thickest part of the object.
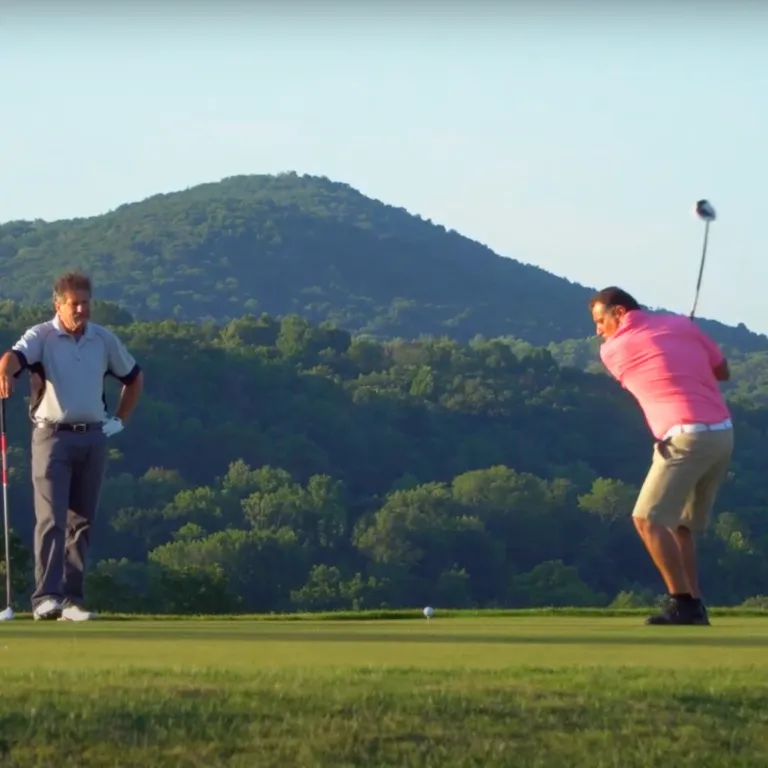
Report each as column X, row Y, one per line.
column 706, row 212
column 7, row 614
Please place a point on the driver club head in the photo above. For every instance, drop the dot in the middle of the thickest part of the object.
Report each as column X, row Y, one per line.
column 7, row 614
column 705, row 211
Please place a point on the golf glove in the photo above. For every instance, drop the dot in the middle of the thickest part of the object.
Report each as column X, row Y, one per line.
column 112, row 427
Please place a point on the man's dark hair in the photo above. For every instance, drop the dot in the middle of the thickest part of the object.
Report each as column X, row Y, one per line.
column 71, row 281
column 614, row 297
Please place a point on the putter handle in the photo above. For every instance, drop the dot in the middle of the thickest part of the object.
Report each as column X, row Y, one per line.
column 3, row 442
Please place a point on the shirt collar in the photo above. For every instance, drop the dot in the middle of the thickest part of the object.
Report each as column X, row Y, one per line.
column 631, row 320
column 88, row 334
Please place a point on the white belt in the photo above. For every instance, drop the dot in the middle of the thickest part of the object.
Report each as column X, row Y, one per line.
column 684, row 429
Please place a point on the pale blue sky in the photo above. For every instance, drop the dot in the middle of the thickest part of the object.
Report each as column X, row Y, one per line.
column 576, row 138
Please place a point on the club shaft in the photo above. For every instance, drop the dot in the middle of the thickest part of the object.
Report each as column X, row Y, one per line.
column 6, row 521
column 701, row 267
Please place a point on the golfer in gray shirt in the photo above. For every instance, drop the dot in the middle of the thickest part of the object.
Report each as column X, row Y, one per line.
column 68, row 358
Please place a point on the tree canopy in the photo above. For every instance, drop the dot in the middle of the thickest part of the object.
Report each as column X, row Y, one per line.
column 278, row 465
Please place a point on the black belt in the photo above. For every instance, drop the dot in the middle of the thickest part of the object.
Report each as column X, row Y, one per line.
column 70, row 426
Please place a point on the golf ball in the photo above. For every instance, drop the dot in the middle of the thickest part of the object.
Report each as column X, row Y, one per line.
column 429, row 611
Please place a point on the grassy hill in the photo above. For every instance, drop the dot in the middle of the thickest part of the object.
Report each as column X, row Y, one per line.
column 305, row 245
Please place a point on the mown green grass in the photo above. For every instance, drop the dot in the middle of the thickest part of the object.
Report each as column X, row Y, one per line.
column 473, row 691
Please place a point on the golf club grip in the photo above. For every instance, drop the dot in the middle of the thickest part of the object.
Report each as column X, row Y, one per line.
column 4, row 440
column 3, row 443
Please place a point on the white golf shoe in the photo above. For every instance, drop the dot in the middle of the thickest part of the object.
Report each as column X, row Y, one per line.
column 47, row 610
column 76, row 613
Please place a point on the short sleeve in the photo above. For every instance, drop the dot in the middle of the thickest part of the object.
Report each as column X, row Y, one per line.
column 29, row 348
column 120, row 362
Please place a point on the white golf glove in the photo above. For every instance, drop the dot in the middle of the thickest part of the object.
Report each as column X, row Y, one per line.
column 112, row 426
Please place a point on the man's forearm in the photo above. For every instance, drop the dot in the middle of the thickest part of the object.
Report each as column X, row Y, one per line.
column 9, row 364
column 129, row 397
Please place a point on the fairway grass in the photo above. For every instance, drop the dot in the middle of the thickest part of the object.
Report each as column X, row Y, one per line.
column 525, row 691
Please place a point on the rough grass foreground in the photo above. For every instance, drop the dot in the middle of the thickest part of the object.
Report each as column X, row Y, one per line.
column 524, row 691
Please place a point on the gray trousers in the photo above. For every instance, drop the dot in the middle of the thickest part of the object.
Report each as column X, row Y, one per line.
column 67, row 473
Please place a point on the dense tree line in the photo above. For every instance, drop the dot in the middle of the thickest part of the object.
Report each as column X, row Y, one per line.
column 308, row 246
column 748, row 384
column 276, row 465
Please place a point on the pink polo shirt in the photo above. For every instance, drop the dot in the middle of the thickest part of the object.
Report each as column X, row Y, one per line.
column 666, row 362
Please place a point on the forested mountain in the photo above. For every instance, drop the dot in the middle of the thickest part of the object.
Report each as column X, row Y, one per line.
column 305, row 245
column 291, row 452
column 278, row 465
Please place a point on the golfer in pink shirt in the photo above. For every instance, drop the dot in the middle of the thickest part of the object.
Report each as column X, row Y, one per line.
column 672, row 368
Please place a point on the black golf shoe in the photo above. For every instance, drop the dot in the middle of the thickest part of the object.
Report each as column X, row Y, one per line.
column 683, row 612
column 703, row 616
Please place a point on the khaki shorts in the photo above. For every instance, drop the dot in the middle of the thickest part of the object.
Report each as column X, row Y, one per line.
column 685, row 476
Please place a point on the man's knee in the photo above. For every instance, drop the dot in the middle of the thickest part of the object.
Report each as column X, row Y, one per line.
column 659, row 509
column 644, row 526
column 665, row 497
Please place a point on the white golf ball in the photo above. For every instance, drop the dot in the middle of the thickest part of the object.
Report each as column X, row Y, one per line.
column 429, row 611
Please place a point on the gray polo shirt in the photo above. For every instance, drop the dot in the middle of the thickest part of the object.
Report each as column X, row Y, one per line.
column 73, row 370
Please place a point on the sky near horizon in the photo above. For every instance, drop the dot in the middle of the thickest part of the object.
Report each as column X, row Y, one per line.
column 573, row 136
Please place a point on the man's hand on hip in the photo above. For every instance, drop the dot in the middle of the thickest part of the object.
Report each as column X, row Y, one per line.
column 112, row 426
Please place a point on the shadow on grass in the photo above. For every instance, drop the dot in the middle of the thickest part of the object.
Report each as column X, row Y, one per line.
column 656, row 636
column 174, row 725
